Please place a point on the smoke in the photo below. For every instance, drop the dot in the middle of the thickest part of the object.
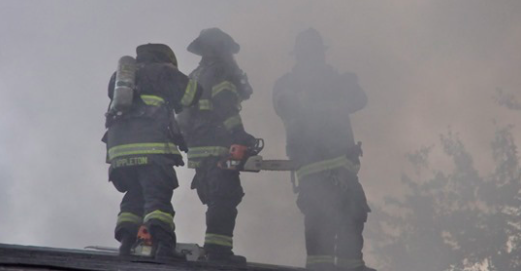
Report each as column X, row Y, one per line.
column 425, row 65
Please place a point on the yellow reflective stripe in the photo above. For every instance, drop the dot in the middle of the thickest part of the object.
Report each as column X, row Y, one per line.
column 189, row 95
column 130, row 161
column 224, row 85
column 200, row 152
column 126, row 217
column 330, row 164
column 350, row 263
column 318, row 259
column 217, row 239
column 152, row 100
column 232, row 122
column 205, row 104
column 142, row 148
column 161, row 216
column 193, row 164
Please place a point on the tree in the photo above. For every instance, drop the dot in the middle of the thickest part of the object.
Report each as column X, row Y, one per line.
column 507, row 100
column 455, row 220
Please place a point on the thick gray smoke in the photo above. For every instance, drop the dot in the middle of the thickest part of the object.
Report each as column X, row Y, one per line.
column 425, row 65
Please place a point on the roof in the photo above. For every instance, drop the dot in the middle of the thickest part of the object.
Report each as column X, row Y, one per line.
column 15, row 257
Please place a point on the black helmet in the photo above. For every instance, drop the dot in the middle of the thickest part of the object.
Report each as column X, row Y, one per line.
column 213, row 42
column 159, row 51
column 309, row 41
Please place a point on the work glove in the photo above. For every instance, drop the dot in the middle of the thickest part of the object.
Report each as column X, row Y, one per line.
column 182, row 145
column 179, row 140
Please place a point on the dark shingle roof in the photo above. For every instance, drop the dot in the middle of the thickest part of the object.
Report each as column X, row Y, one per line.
column 14, row 257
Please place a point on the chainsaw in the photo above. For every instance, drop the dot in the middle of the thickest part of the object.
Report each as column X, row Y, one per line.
column 247, row 159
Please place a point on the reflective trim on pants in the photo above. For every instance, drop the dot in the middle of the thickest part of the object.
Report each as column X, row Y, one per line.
column 126, row 217
column 161, row 216
column 350, row 263
column 319, row 259
column 217, row 239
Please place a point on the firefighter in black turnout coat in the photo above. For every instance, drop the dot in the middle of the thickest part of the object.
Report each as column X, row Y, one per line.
column 210, row 128
column 143, row 146
column 314, row 102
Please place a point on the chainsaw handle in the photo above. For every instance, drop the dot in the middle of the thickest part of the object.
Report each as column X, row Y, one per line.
column 257, row 147
column 239, row 154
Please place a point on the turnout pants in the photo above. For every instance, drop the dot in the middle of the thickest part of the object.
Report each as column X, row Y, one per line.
column 222, row 192
column 148, row 193
column 335, row 209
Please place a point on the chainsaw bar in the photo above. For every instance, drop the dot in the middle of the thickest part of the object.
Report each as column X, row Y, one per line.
column 256, row 164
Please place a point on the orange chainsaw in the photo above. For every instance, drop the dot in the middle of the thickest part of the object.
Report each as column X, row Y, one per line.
column 247, row 158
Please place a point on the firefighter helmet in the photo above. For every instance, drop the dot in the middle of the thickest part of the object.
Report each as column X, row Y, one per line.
column 309, row 41
column 213, row 42
column 160, row 50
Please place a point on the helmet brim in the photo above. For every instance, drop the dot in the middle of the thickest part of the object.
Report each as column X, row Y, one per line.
column 213, row 42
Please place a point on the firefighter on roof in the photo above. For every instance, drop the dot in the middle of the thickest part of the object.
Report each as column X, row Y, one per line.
column 210, row 128
column 314, row 102
column 143, row 142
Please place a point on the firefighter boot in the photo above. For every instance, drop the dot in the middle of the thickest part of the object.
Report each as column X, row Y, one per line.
column 127, row 240
column 164, row 245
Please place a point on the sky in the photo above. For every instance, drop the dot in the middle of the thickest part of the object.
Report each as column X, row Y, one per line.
column 427, row 67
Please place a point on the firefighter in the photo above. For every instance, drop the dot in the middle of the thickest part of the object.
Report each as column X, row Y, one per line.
column 314, row 102
column 210, row 128
column 143, row 146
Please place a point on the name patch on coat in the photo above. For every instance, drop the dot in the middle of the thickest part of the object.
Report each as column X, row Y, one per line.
column 134, row 161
